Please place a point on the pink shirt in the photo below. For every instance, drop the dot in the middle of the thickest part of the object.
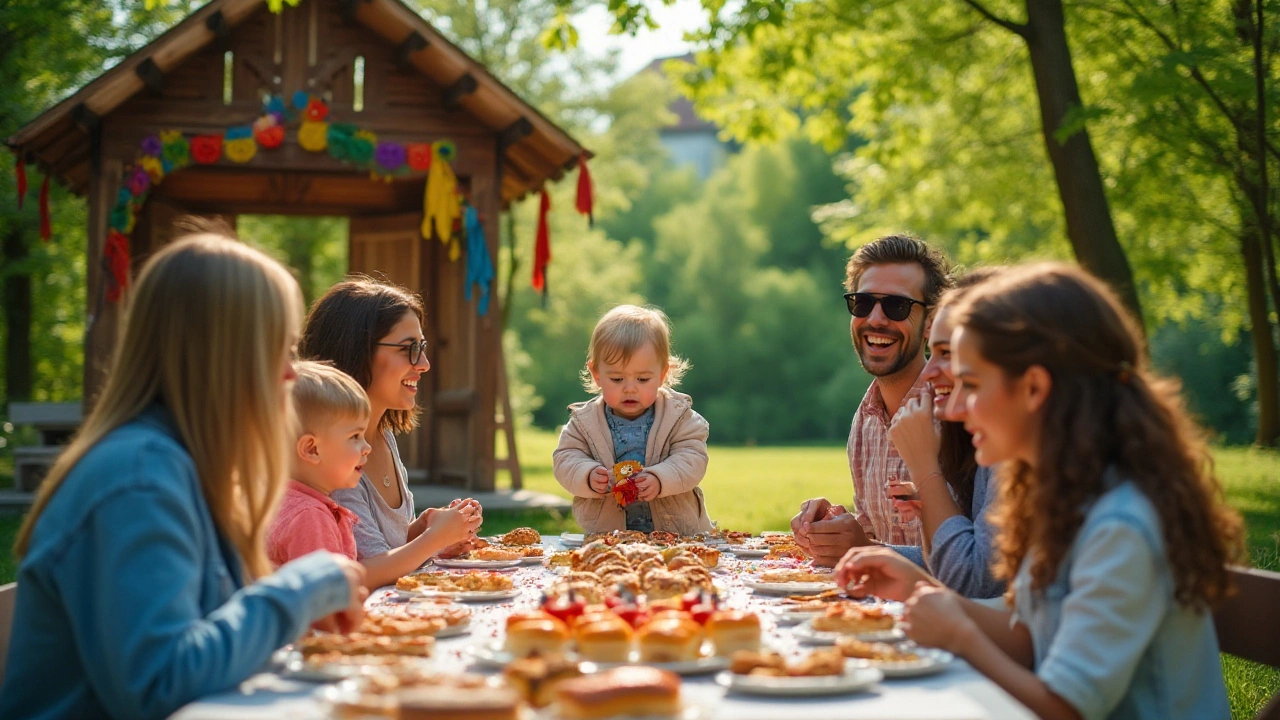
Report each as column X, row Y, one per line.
column 309, row 520
column 873, row 462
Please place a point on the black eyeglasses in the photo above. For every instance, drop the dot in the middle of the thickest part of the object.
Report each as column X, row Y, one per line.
column 415, row 349
column 896, row 307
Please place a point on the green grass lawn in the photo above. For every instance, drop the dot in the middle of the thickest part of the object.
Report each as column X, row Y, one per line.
column 760, row 488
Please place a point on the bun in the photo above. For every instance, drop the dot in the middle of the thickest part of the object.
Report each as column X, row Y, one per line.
column 626, row 691
column 733, row 630
column 544, row 636
column 604, row 640
column 670, row 639
column 536, row 678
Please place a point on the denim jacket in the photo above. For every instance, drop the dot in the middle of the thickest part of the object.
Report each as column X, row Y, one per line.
column 1109, row 637
column 130, row 604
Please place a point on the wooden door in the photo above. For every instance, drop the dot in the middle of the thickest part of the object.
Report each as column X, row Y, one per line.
column 390, row 247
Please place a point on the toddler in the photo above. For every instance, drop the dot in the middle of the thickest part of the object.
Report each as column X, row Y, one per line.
column 636, row 416
column 333, row 412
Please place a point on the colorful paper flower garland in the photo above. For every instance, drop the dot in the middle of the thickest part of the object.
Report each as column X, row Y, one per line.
column 159, row 155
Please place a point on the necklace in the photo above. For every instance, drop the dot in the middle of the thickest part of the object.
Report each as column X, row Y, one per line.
column 386, row 481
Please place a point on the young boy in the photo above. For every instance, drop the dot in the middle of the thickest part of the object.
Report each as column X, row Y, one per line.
column 333, row 412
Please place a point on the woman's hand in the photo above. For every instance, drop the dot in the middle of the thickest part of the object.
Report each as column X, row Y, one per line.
column 348, row 619
column 811, row 511
column 647, row 485
column 879, row 571
column 934, row 618
column 598, row 480
column 915, row 434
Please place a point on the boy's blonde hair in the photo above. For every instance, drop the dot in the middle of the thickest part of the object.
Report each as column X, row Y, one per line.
column 206, row 332
column 623, row 331
column 323, row 395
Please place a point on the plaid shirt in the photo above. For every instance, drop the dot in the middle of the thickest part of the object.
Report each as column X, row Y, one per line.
column 873, row 462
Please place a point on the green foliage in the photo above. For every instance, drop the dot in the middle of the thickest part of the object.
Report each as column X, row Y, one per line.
column 313, row 248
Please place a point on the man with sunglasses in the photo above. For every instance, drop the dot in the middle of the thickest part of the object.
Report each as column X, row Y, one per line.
column 893, row 283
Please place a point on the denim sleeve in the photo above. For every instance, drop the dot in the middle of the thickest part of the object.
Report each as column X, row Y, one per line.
column 370, row 542
column 963, row 551
column 1111, row 612
column 910, row 552
column 132, row 582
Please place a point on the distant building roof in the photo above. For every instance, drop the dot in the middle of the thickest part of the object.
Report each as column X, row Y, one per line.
column 681, row 107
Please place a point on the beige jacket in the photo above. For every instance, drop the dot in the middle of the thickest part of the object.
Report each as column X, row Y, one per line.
column 676, row 454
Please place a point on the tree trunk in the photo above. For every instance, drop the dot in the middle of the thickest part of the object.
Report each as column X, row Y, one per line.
column 1075, row 166
column 1264, row 349
column 17, row 315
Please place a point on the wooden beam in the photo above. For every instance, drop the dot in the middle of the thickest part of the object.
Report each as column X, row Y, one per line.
column 84, row 118
column 151, row 75
column 410, row 45
column 349, row 8
column 221, row 29
column 461, row 88
column 514, row 133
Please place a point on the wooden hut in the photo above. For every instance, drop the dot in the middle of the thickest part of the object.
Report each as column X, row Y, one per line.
column 378, row 65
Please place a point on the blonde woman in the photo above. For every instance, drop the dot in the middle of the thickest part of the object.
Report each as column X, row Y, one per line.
column 143, row 583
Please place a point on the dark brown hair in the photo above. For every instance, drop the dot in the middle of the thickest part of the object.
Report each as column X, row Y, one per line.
column 897, row 249
column 955, row 457
column 1105, row 409
column 345, row 325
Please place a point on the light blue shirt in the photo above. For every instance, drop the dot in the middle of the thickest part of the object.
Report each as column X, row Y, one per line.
column 131, row 605
column 1108, row 635
column 964, row 545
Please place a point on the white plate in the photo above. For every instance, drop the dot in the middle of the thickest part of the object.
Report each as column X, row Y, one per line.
column 789, row 588
column 477, row 564
column 931, row 660
column 747, row 552
column 533, row 559
column 474, row 596
column 806, row 634
column 853, row 680
column 293, row 666
column 572, row 539
column 785, row 616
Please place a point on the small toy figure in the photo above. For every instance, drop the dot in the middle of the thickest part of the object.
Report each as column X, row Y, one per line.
column 624, row 488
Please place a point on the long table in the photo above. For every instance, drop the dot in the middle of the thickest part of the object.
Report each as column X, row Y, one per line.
column 957, row 693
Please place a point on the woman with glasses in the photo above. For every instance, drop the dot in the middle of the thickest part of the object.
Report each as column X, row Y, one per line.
column 372, row 331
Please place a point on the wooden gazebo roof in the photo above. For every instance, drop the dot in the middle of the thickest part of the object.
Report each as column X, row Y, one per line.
column 534, row 149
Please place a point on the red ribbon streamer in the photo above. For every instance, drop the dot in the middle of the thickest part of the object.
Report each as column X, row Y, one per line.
column 46, row 228
column 21, row 171
column 542, row 247
column 586, row 195
column 115, row 254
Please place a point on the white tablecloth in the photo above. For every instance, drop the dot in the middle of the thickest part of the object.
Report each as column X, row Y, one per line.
column 958, row 693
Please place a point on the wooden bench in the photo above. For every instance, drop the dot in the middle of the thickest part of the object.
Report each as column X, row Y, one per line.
column 1248, row 624
column 56, row 423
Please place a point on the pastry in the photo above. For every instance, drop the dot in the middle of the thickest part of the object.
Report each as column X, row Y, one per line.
column 854, row 648
column 660, row 584
column 543, row 636
column 522, row 536
column 785, row 550
column 449, row 703
column 733, row 630
column 402, row 626
column 604, row 640
column 494, row 552
column 851, row 618
column 625, row 490
column 796, row 576
column 362, row 644
column 536, row 678
column 625, row 691
column 747, row 663
column 669, row 639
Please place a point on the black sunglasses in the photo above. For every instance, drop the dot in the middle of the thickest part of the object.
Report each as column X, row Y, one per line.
column 896, row 307
column 415, row 349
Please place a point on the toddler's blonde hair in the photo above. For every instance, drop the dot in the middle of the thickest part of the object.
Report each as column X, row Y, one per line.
column 623, row 331
column 323, row 395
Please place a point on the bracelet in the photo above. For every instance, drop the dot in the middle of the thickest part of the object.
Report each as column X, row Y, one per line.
column 926, row 479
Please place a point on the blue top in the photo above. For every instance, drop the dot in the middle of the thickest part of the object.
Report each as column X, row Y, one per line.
column 130, row 604
column 964, row 545
column 630, row 438
column 1108, row 635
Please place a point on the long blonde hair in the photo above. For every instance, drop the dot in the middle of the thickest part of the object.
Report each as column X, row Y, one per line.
column 206, row 332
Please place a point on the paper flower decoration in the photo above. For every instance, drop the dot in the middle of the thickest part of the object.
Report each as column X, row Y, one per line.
column 153, row 167
column 300, row 99
column 176, row 153
column 313, row 136
column 362, row 146
column 152, row 146
column 390, row 156
column 206, row 149
column 138, row 181
column 268, row 131
column 240, row 150
column 447, row 149
column 275, row 108
column 419, row 156
column 121, row 218
column 316, row 110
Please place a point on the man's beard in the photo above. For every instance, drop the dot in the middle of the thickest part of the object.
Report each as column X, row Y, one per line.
column 907, row 352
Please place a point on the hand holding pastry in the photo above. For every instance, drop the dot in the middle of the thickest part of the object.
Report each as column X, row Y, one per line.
column 810, row 510
column 598, row 479
column 647, row 484
column 348, row 619
column 456, row 524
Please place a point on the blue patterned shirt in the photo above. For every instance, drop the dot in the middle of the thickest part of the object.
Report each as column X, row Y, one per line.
column 630, row 438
